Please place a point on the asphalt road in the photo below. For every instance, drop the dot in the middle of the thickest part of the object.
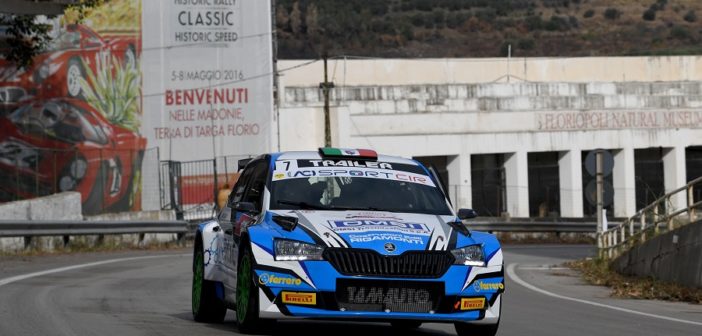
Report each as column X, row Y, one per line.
column 124, row 294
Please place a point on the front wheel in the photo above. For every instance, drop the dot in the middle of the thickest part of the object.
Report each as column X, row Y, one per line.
column 465, row 329
column 207, row 307
column 246, row 294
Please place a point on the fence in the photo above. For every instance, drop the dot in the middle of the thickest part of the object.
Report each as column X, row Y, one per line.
column 658, row 217
column 190, row 188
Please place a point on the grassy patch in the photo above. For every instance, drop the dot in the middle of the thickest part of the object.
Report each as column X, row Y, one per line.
column 598, row 272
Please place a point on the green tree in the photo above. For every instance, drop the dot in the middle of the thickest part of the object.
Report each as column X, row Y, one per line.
column 27, row 37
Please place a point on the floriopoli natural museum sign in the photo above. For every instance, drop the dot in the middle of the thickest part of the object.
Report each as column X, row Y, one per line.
column 594, row 120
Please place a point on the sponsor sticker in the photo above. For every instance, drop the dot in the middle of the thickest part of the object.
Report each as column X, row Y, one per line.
column 268, row 279
column 472, row 303
column 365, row 225
column 480, row 286
column 377, row 173
column 395, row 237
column 299, row 298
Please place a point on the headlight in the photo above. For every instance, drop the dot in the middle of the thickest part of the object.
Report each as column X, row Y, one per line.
column 41, row 73
column 470, row 256
column 295, row 250
column 78, row 168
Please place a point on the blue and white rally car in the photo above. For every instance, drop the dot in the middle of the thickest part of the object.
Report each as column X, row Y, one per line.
column 345, row 234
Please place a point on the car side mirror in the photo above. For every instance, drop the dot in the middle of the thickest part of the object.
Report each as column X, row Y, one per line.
column 245, row 207
column 467, row 214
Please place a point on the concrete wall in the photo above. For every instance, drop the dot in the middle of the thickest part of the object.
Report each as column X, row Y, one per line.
column 675, row 256
column 355, row 72
column 62, row 206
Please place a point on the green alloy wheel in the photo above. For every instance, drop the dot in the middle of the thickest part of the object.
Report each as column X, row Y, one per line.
column 246, row 294
column 207, row 307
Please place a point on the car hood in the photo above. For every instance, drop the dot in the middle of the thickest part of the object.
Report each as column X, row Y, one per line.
column 385, row 232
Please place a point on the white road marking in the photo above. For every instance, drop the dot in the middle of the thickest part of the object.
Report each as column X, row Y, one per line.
column 517, row 279
column 10, row 280
column 543, row 268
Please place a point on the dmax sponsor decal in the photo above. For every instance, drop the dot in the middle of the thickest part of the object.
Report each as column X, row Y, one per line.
column 387, row 296
column 350, row 163
column 377, row 225
column 480, row 286
column 396, row 237
column 299, row 298
column 272, row 279
column 470, row 304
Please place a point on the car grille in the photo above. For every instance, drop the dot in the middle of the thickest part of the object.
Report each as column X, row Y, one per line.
column 420, row 264
column 11, row 95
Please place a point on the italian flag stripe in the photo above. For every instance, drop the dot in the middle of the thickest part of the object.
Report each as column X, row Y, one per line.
column 366, row 153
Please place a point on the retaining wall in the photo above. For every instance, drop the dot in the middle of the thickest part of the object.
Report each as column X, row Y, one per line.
column 675, row 256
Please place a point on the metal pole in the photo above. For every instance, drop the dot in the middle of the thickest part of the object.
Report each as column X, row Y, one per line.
column 600, row 191
column 325, row 90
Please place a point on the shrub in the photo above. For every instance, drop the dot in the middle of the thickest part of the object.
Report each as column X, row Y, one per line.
column 557, row 23
column 680, row 33
column 690, row 16
column 526, row 44
column 612, row 13
column 589, row 13
column 649, row 15
column 534, row 22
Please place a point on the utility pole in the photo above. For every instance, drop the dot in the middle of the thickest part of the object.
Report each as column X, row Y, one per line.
column 326, row 86
column 600, row 190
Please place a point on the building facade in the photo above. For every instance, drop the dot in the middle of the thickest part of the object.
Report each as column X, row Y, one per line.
column 511, row 137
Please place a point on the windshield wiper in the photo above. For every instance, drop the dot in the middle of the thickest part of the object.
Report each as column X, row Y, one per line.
column 306, row 205
column 303, row 205
column 345, row 208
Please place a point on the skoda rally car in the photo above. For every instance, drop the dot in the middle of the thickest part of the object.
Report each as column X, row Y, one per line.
column 345, row 234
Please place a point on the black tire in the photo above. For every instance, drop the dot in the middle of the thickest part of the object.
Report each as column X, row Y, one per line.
column 206, row 306
column 247, row 294
column 74, row 68
column 95, row 203
column 127, row 201
column 406, row 325
column 466, row 329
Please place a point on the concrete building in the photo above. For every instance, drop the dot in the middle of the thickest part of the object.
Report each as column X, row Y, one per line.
column 511, row 136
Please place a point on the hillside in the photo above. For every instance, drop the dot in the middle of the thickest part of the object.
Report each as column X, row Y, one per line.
column 484, row 28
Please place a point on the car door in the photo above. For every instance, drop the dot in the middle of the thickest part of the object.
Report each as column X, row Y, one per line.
column 228, row 242
column 245, row 205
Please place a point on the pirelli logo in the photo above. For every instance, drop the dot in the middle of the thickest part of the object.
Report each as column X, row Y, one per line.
column 472, row 303
column 299, row 298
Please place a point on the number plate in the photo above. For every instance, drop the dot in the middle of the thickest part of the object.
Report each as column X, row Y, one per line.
column 394, row 296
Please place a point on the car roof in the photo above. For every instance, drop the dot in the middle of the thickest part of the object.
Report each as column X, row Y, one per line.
column 310, row 155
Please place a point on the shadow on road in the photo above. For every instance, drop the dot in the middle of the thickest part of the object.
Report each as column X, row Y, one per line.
column 311, row 327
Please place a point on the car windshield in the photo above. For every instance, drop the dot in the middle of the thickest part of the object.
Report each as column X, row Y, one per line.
column 357, row 189
column 58, row 120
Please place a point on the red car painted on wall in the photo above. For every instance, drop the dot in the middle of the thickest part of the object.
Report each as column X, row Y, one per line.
column 57, row 71
column 64, row 144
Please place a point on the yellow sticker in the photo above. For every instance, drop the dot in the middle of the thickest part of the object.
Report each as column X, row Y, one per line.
column 299, row 298
column 472, row 303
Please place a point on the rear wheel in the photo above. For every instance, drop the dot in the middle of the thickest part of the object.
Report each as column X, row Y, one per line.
column 466, row 329
column 246, row 294
column 207, row 307
column 406, row 325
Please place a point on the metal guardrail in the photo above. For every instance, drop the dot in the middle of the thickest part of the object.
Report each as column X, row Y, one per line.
column 658, row 217
column 9, row 228
column 529, row 226
column 82, row 228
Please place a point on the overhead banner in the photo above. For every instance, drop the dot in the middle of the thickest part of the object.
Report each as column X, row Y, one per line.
column 208, row 77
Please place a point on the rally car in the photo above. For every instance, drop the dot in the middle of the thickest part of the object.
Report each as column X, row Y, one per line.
column 64, row 144
column 345, row 234
column 58, row 70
